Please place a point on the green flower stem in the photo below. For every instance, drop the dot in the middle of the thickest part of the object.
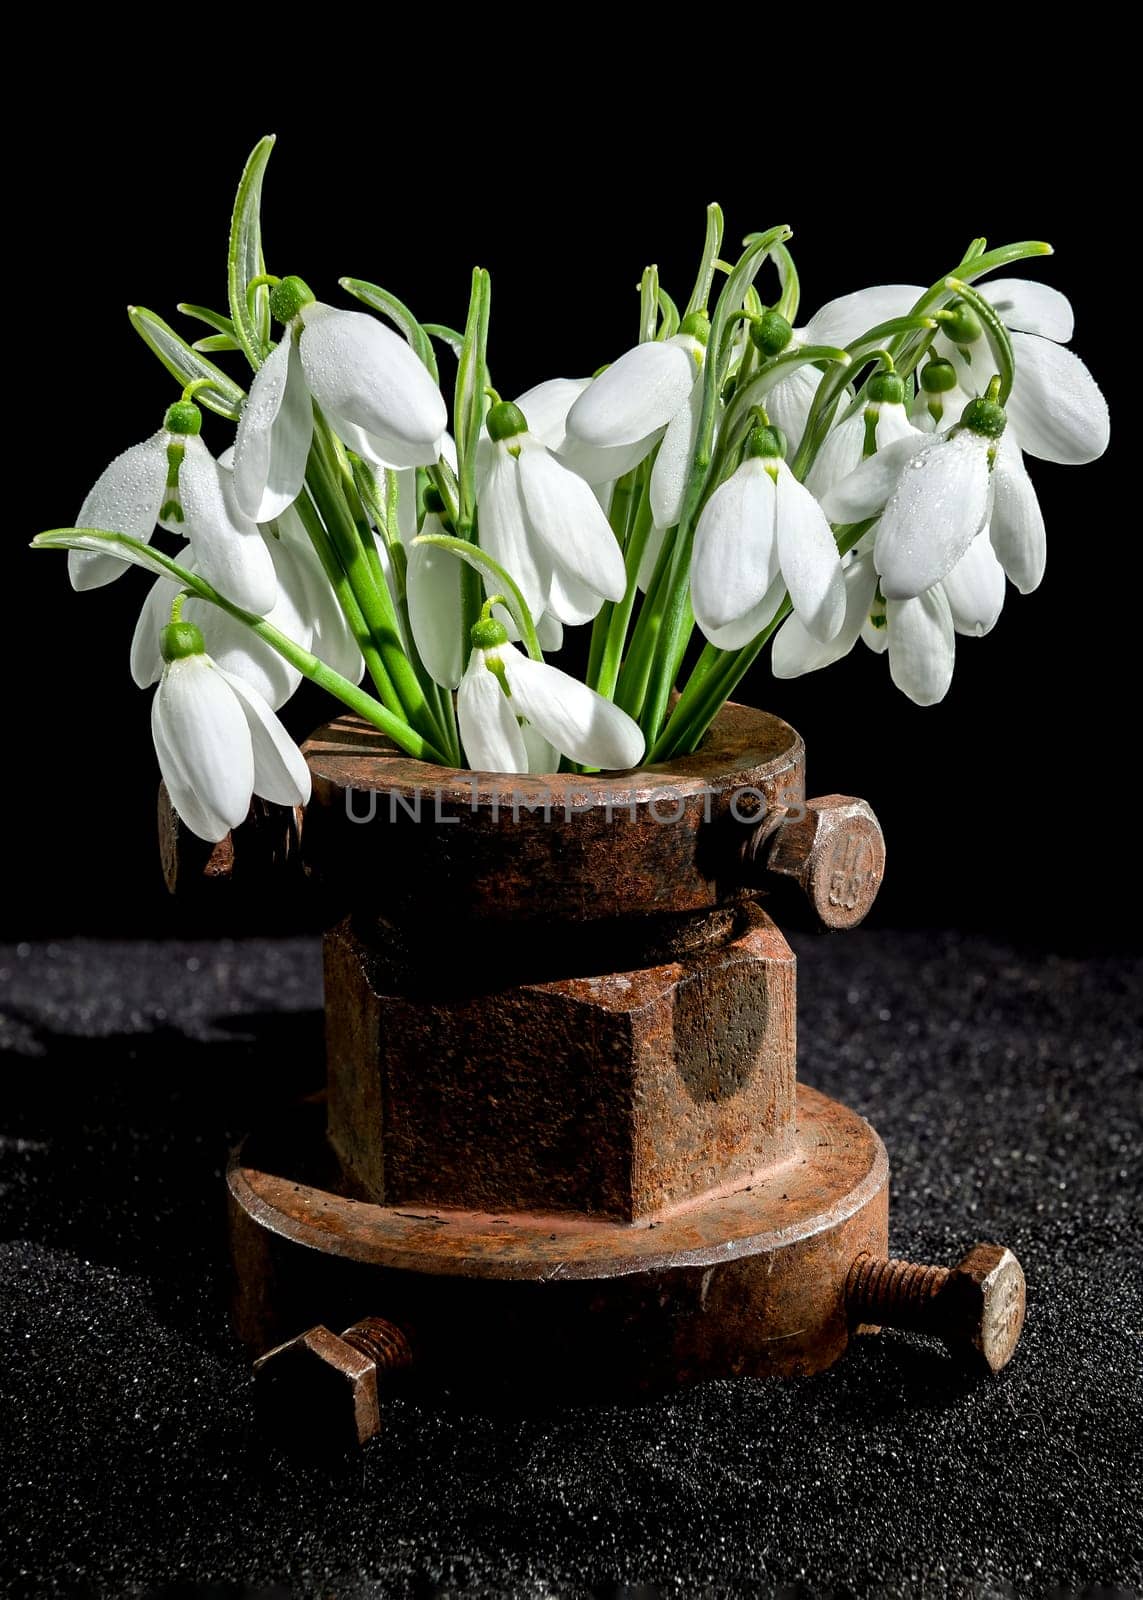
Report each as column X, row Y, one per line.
column 700, row 295
column 622, row 515
column 482, row 562
column 998, row 339
column 908, row 350
column 396, row 728
column 606, row 676
column 635, row 674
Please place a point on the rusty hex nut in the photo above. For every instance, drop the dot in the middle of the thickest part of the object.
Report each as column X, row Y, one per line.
column 987, row 1295
column 833, row 848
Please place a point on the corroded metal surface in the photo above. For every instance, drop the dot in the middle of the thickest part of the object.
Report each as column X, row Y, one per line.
column 328, row 1387
column 834, row 850
column 750, row 1281
column 404, row 835
column 619, row 1094
column 976, row 1308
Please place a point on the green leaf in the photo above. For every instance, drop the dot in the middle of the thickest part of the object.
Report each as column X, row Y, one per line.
column 378, row 299
column 481, row 561
column 471, row 382
column 700, row 294
column 186, row 364
column 245, row 261
column 216, row 342
column 213, row 319
column 446, row 335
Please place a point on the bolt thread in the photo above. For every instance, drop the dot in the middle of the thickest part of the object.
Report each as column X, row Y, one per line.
column 383, row 1343
column 897, row 1294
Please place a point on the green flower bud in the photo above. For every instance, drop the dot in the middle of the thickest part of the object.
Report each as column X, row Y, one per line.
column 886, row 388
column 697, row 324
column 938, row 376
column 181, row 639
column 183, row 417
column 488, row 634
column 771, row 333
column 288, row 297
column 767, row 443
column 505, row 421
column 984, row 417
column 960, row 323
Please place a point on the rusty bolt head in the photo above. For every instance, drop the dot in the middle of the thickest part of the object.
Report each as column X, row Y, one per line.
column 988, row 1290
column 317, row 1389
column 834, row 848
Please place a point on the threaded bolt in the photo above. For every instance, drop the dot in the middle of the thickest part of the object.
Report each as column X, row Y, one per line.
column 976, row 1307
column 324, row 1388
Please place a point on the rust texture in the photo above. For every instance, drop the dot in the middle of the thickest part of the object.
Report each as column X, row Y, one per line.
column 328, row 1387
column 834, row 850
column 976, row 1307
column 622, row 1093
column 265, row 848
column 752, row 1281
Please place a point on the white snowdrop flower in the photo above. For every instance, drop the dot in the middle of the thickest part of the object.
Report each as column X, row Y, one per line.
column 761, row 533
column 1055, row 411
column 937, row 496
column 542, row 523
column 652, row 393
column 880, row 421
column 433, row 587
column 376, row 393
column 173, row 480
column 503, row 687
column 217, row 741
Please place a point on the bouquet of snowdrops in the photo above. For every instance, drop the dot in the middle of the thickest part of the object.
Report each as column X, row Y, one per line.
column 859, row 475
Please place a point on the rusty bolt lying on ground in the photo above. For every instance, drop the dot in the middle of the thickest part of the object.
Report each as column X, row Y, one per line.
column 976, row 1307
column 322, row 1387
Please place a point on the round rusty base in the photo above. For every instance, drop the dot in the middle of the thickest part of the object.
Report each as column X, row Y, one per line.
column 750, row 1281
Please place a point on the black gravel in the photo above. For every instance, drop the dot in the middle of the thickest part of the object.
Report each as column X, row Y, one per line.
column 1006, row 1084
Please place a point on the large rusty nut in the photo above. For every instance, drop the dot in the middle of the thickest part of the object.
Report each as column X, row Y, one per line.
column 676, row 1079
column 987, row 1296
column 834, row 848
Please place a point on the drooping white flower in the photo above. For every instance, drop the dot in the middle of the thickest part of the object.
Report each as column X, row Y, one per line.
column 936, row 493
column 503, row 688
column 761, row 533
column 433, row 586
column 171, row 479
column 373, row 389
column 217, row 741
column 542, row 523
column 1056, row 410
column 879, row 422
column 652, row 393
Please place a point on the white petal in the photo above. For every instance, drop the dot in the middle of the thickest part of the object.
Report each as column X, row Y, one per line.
column 735, row 558
column 274, row 433
column 635, row 396
column 807, row 555
column 863, row 493
column 203, row 745
column 146, row 656
column 489, row 730
column 546, row 408
column 598, row 466
column 568, row 521
column 361, row 371
column 796, row 650
column 672, row 469
column 126, row 498
column 570, row 603
column 229, row 551
column 840, row 455
column 650, row 558
column 937, row 509
column 922, row 646
column 892, row 424
column 974, row 589
column 1056, row 408
column 1017, row 524
column 550, row 633
column 1031, row 307
column 280, row 771
column 788, row 403
column 747, row 627
column 542, row 756
column 435, row 612
column 951, row 403
column 845, row 319
column 875, row 634
column 504, row 531
column 573, row 718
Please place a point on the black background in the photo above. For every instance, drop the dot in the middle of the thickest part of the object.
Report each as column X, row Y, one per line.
column 1005, row 808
